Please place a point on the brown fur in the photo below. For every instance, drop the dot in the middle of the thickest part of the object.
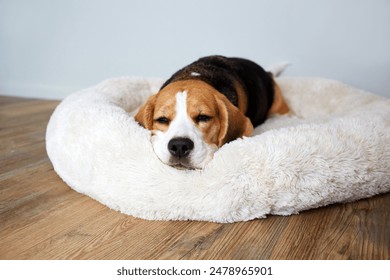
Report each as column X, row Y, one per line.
column 279, row 105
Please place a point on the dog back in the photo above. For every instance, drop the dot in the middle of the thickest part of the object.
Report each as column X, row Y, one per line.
column 246, row 84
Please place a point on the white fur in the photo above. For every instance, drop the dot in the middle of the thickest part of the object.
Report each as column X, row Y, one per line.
column 278, row 69
column 334, row 149
column 183, row 126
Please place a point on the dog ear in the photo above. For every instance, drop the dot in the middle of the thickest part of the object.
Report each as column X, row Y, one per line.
column 145, row 114
column 233, row 123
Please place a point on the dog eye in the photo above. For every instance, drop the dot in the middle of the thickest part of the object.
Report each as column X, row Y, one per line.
column 203, row 118
column 162, row 120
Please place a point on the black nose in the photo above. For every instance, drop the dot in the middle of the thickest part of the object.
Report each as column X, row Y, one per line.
column 180, row 147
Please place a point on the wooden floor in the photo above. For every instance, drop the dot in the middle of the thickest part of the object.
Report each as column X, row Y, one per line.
column 42, row 218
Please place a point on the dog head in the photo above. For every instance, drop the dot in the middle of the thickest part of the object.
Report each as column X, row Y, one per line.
column 189, row 121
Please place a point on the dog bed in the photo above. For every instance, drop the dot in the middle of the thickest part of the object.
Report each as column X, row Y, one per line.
column 333, row 148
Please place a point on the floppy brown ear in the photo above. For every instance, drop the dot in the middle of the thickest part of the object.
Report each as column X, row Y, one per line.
column 145, row 114
column 234, row 124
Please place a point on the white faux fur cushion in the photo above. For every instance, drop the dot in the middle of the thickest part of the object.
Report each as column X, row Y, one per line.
column 335, row 148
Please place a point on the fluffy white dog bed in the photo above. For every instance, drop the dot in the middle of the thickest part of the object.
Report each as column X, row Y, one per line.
column 335, row 148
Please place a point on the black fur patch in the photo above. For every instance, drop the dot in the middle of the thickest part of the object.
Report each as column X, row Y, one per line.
column 221, row 72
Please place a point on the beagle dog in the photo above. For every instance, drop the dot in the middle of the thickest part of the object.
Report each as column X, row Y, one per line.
column 207, row 104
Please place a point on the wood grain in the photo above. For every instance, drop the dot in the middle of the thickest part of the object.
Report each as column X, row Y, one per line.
column 42, row 218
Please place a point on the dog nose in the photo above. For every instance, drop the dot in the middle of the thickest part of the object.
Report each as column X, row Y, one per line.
column 180, row 147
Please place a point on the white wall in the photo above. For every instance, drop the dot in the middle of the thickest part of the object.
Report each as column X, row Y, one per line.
column 51, row 48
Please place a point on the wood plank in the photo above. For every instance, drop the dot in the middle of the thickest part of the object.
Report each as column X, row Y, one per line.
column 42, row 218
column 336, row 232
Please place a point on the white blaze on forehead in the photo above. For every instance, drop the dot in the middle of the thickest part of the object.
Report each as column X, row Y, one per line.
column 181, row 106
column 195, row 74
column 181, row 126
